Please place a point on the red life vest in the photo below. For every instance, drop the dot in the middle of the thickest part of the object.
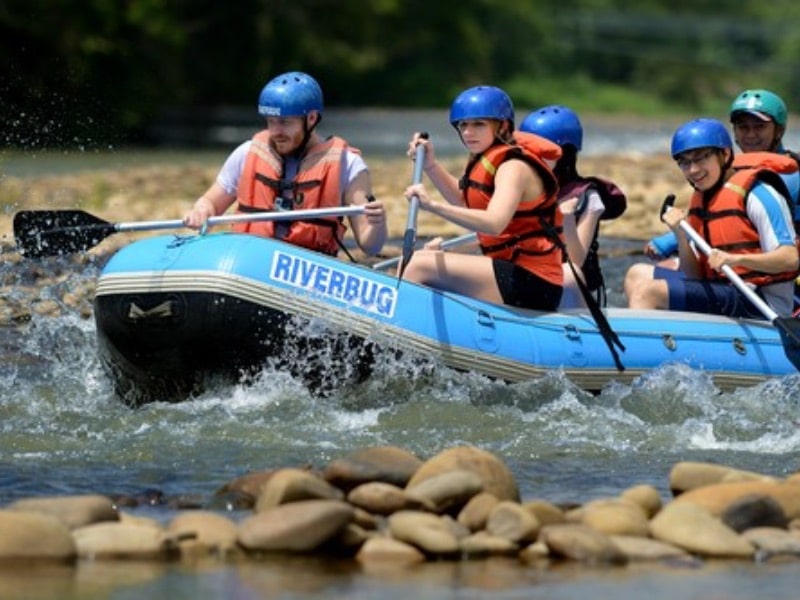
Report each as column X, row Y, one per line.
column 723, row 220
column 317, row 184
column 527, row 240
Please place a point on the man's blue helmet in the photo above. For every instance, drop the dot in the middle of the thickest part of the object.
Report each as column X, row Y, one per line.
column 700, row 133
column 556, row 123
column 293, row 94
column 482, row 102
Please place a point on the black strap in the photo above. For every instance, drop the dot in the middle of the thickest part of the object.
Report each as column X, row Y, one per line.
column 609, row 335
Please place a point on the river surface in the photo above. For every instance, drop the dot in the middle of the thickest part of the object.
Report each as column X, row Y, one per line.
column 62, row 431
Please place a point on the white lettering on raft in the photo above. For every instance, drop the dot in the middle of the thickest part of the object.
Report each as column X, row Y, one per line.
column 308, row 275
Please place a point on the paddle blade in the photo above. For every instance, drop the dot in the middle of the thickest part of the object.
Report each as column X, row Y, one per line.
column 41, row 233
column 409, row 238
column 789, row 328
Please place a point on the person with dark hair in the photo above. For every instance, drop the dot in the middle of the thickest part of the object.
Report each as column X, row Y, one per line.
column 289, row 166
column 743, row 212
column 583, row 203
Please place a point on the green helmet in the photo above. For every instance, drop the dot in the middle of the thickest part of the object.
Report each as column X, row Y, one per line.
column 763, row 104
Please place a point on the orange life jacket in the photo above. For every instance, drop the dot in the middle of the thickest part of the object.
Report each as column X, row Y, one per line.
column 528, row 238
column 317, row 184
column 723, row 220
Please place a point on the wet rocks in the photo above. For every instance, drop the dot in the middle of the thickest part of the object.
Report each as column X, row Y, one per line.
column 460, row 504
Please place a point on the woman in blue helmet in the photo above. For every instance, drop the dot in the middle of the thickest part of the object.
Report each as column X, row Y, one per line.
column 742, row 216
column 507, row 195
column 583, row 202
column 289, row 166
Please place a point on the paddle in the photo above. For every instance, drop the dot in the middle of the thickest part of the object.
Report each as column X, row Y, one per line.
column 446, row 245
column 42, row 233
column 410, row 236
column 788, row 327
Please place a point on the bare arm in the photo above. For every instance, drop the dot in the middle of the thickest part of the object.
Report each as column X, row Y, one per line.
column 369, row 228
column 213, row 202
column 513, row 181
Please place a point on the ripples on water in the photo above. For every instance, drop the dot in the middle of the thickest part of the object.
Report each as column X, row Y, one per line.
column 62, row 431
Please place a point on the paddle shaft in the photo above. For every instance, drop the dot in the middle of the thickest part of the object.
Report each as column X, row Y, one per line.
column 446, row 245
column 410, row 236
column 289, row 215
column 413, row 208
column 732, row 275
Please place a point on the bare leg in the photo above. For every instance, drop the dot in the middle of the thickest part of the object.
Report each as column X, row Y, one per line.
column 467, row 274
column 649, row 294
column 636, row 275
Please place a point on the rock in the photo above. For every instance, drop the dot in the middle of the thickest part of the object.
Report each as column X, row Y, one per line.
column 696, row 530
column 203, row 531
column 637, row 548
column 295, row 527
column 616, row 517
column 73, row 511
column 645, row 496
column 581, row 543
column 510, row 520
column 33, row 536
column 388, row 550
column 483, row 543
column 386, row 464
column 496, row 477
column 688, row 475
column 772, row 541
column 382, row 498
column 476, row 512
column 754, row 510
column 444, row 491
column 545, row 512
column 123, row 541
column 293, row 485
column 430, row 533
column 716, row 498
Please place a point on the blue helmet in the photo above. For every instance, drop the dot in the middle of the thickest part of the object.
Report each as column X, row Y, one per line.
column 558, row 124
column 700, row 133
column 292, row 94
column 482, row 102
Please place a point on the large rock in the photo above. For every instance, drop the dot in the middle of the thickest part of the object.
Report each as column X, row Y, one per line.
column 688, row 475
column 386, row 464
column 295, row 527
column 696, row 530
column 512, row 521
column 384, row 498
column 34, row 536
column 123, row 541
column 204, row 532
column 430, row 533
column 448, row 490
column 582, row 543
column 717, row 498
column 73, row 511
column 496, row 477
column 293, row 485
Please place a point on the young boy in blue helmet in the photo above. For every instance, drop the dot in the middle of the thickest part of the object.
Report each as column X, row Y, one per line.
column 744, row 214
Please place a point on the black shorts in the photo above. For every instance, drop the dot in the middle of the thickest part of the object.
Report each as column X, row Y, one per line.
column 519, row 287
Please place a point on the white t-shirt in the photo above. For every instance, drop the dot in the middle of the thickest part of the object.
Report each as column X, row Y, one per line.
column 231, row 171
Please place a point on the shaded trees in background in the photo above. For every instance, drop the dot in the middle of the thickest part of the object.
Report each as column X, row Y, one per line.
column 99, row 71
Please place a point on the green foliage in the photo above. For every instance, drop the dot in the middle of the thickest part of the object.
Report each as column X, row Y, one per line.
column 99, row 71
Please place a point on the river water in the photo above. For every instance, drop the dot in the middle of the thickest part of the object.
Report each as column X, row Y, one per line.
column 62, row 431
